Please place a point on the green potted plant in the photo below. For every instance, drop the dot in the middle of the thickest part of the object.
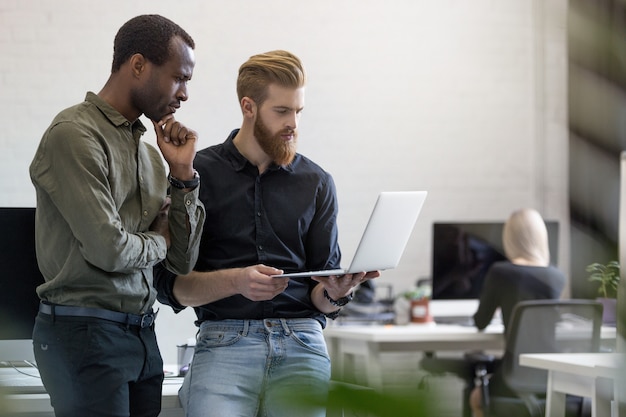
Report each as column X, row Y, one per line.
column 608, row 276
column 418, row 297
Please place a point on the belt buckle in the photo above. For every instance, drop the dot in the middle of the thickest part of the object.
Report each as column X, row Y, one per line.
column 147, row 320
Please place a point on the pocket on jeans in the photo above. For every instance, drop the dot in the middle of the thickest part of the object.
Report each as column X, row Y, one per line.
column 312, row 340
column 217, row 338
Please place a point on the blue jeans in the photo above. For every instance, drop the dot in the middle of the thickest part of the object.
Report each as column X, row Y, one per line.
column 263, row 368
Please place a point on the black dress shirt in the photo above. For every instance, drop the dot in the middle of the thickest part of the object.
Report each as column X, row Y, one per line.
column 285, row 218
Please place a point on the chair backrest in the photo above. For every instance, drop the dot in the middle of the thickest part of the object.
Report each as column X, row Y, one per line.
column 548, row 326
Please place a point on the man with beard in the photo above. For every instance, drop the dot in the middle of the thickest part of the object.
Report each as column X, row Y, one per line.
column 269, row 210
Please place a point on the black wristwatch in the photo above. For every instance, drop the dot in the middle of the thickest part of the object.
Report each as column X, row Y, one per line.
column 340, row 302
column 180, row 184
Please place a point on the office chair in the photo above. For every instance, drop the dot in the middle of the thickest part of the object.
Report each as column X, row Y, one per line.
column 540, row 326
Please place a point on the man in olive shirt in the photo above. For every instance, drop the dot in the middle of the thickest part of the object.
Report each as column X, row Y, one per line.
column 103, row 220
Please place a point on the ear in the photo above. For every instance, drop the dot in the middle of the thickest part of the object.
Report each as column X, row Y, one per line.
column 248, row 107
column 137, row 64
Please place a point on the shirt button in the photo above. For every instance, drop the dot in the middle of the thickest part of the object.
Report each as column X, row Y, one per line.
column 145, row 212
column 188, row 202
column 260, row 247
column 258, row 214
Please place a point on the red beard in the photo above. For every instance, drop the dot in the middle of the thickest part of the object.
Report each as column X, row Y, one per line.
column 282, row 152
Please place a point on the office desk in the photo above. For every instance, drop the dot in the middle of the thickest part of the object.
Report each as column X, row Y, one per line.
column 594, row 375
column 372, row 342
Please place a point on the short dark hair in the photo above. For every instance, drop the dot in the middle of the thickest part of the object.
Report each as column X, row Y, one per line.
column 149, row 35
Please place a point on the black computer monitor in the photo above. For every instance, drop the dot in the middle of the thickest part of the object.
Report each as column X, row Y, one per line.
column 19, row 276
column 462, row 252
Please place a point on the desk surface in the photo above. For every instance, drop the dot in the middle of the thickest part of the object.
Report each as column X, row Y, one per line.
column 429, row 332
column 595, row 375
column 589, row 364
column 429, row 337
column 414, row 332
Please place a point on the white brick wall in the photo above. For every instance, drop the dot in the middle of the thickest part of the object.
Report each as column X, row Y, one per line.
column 464, row 99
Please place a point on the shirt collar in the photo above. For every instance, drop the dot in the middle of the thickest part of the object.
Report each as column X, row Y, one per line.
column 113, row 115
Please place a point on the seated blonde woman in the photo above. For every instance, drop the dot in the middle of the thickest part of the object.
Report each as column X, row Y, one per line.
column 525, row 275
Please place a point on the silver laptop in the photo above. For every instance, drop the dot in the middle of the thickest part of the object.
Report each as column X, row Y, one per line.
column 387, row 232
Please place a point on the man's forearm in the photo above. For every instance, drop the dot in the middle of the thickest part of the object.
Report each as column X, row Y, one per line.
column 199, row 288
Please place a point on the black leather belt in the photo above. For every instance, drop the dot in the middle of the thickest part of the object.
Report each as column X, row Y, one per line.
column 141, row 320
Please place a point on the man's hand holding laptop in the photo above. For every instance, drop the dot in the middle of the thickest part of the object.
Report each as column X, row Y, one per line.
column 340, row 285
column 337, row 289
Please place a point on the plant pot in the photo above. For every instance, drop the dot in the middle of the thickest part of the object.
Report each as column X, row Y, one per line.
column 420, row 312
column 609, row 310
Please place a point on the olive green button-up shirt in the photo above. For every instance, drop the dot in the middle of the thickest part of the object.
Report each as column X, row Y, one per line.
column 99, row 188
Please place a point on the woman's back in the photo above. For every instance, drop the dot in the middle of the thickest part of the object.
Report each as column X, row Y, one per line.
column 507, row 283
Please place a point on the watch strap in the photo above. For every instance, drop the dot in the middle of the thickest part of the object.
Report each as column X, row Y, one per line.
column 340, row 302
column 180, row 184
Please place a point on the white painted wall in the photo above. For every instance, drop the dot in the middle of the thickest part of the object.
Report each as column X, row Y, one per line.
column 464, row 99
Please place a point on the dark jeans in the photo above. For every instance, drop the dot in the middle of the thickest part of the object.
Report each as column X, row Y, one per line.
column 94, row 367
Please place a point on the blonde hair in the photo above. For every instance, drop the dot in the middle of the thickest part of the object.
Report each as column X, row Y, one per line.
column 525, row 238
column 279, row 67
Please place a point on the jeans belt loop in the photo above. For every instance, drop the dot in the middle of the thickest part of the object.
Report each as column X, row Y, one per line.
column 285, row 326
